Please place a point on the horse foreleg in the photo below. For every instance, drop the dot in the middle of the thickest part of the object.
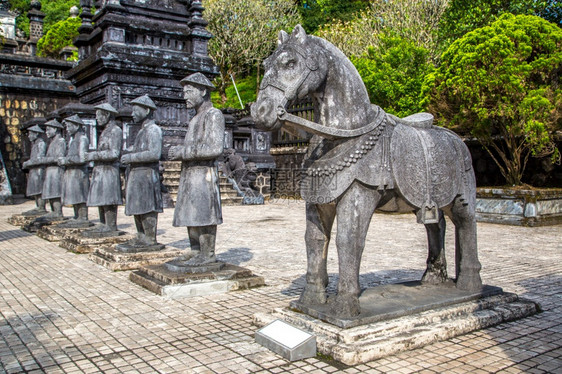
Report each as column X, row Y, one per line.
column 354, row 211
column 319, row 221
column 466, row 250
column 436, row 271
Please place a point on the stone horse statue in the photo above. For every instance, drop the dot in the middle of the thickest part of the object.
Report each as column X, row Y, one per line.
column 361, row 159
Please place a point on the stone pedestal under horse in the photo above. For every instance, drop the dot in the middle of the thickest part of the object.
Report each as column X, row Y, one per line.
column 361, row 159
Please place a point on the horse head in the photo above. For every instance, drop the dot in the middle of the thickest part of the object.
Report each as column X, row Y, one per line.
column 297, row 68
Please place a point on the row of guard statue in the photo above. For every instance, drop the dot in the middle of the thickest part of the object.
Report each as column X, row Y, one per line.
column 58, row 173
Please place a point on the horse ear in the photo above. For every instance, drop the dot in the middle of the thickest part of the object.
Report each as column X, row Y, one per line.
column 299, row 33
column 283, row 37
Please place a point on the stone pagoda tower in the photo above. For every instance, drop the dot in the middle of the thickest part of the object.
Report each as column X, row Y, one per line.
column 135, row 47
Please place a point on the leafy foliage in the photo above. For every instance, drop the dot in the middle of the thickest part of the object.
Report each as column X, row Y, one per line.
column 501, row 84
column 245, row 32
column 463, row 16
column 393, row 73
column 247, row 88
column 316, row 13
column 55, row 11
column 59, row 36
column 414, row 20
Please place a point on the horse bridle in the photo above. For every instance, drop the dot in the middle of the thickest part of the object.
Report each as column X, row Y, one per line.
column 290, row 92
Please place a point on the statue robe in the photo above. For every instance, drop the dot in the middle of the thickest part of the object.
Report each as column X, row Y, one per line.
column 198, row 202
column 105, row 188
column 52, row 185
column 36, row 175
column 144, row 191
column 76, row 180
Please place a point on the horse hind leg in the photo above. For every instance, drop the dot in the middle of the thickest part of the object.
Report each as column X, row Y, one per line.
column 467, row 265
column 319, row 221
column 436, row 271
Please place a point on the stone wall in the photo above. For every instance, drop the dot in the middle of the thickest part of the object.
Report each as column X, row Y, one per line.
column 31, row 88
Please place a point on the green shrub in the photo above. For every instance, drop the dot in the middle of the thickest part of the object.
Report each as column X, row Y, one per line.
column 394, row 73
column 501, row 84
column 59, row 36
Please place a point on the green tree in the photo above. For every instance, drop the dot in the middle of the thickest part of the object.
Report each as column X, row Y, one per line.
column 501, row 84
column 59, row 36
column 463, row 16
column 393, row 73
column 316, row 13
column 414, row 20
column 55, row 11
column 245, row 33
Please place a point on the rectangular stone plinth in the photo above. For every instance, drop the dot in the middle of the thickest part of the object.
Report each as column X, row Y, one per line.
column 162, row 281
column 20, row 220
column 38, row 223
column 396, row 300
column 387, row 337
column 53, row 233
column 79, row 244
column 115, row 260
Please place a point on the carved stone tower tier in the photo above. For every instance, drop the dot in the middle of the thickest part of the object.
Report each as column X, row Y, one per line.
column 130, row 48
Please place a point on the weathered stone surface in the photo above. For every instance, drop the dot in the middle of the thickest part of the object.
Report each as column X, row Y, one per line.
column 80, row 244
column 55, row 233
column 163, row 281
column 361, row 159
column 386, row 302
column 20, row 220
column 537, row 207
column 387, row 337
column 115, row 260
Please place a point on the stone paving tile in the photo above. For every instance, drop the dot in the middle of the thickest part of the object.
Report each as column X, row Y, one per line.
column 61, row 313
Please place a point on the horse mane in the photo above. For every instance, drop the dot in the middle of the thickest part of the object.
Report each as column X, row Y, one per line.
column 339, row 54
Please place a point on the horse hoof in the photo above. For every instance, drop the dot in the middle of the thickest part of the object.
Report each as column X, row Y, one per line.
column 431, row 277
column 345, row 307
column 311, row 296
column 469, row 282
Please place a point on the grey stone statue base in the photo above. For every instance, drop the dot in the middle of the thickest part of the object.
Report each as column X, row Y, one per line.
column 34, row 212
column 75, row 224
column 396, row 300
column 55, row 233
column 134, row 248
column 20, row 220
column 42, row 221
column 98, row 234
column 181, row 266
column 421, row 320
column 77, row 243
column 178, row 284
column 113, row 259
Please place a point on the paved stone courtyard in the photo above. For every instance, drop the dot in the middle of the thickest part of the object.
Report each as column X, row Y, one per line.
column 61, row 313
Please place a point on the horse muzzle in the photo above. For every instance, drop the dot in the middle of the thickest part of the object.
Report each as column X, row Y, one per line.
column 264, row 113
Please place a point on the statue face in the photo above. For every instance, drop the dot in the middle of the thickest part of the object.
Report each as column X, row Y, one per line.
column 50, row 131
column 71, row 127
column 32, row 135
column 140, row 113
column 102, row 117
column 193, row 96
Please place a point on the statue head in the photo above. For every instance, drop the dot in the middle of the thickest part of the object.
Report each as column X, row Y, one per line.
column 52, row 128
column 34, row 132
column 143, row 108
column 196, row 90
column 105, row 113
column 73, row 124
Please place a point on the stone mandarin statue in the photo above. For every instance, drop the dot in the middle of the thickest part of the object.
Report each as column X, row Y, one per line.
column 52, row 185
column 76, row 181
column 36, row 174
column 198, row 204
column 143, row 198
column 105, row 188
